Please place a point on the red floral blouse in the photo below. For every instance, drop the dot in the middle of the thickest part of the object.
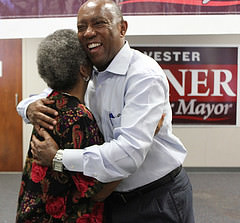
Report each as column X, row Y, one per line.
column 49, row 196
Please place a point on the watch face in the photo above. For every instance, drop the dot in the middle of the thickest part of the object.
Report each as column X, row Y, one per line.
column 57, row 166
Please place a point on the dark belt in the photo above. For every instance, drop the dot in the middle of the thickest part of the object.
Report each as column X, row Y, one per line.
column 125, row 197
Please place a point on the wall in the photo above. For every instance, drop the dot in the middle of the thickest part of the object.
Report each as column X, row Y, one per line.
column 31, row 82
column 207, row 146
column 137, row 25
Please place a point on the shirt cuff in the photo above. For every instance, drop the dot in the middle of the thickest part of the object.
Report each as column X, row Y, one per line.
column 73, row 159
column 25, row 119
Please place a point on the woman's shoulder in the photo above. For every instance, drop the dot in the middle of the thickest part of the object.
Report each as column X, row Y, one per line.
column 69, row 105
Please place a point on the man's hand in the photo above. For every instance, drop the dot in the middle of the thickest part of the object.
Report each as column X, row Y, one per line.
column 43, row 151
column 107, row 189
column 38, row 113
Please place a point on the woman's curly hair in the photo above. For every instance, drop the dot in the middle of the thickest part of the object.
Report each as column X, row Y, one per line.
column 59, row 57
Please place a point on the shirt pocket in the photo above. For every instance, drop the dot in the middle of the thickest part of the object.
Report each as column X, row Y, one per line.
column 115, row 120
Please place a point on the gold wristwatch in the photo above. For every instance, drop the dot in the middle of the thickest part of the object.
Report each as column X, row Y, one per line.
column 57, row 163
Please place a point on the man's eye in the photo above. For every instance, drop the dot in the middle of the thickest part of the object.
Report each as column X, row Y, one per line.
column 81, row 28
column 99, row 23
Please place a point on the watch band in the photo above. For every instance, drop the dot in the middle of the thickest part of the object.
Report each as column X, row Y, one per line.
column 57, row 163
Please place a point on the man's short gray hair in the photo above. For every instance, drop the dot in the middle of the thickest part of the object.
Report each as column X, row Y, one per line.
column 59, row 57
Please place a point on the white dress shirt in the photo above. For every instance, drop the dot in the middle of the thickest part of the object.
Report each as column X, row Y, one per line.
column 127, row 100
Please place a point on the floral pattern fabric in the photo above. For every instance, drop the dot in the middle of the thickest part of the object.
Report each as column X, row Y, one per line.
column 49, row 196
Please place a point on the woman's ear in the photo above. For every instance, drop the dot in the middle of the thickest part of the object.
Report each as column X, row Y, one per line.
column 85, row 72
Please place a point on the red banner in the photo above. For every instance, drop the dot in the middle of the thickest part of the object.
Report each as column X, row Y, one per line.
column 66, row 8
column 203, row 82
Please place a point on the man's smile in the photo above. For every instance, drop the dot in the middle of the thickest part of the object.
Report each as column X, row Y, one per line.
column 92, row 46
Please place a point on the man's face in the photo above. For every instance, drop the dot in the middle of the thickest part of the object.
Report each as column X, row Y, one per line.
column 100, row 32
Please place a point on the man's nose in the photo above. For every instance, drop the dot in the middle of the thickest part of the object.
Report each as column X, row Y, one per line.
column 90, row 31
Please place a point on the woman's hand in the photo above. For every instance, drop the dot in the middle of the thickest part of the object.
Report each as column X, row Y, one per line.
column 38, row 113
column 160, row 123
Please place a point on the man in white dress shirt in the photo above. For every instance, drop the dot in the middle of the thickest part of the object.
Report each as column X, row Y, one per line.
column 127, row 94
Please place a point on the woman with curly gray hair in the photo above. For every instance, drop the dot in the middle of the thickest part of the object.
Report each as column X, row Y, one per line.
column 50, row 194
column 60, row 58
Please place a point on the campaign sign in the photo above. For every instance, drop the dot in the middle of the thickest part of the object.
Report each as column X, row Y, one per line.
column 203, row 82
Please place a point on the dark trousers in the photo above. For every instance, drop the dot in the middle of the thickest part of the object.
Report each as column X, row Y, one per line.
column 168, row 203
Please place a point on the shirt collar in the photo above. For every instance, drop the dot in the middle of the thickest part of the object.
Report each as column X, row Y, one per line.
column 120, row 62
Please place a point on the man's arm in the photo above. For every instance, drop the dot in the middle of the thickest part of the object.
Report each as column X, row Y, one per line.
column 44, row 151
column 48, row 154
column 108, row 188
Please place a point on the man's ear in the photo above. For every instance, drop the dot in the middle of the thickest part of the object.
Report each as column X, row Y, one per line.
column 124, row 26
